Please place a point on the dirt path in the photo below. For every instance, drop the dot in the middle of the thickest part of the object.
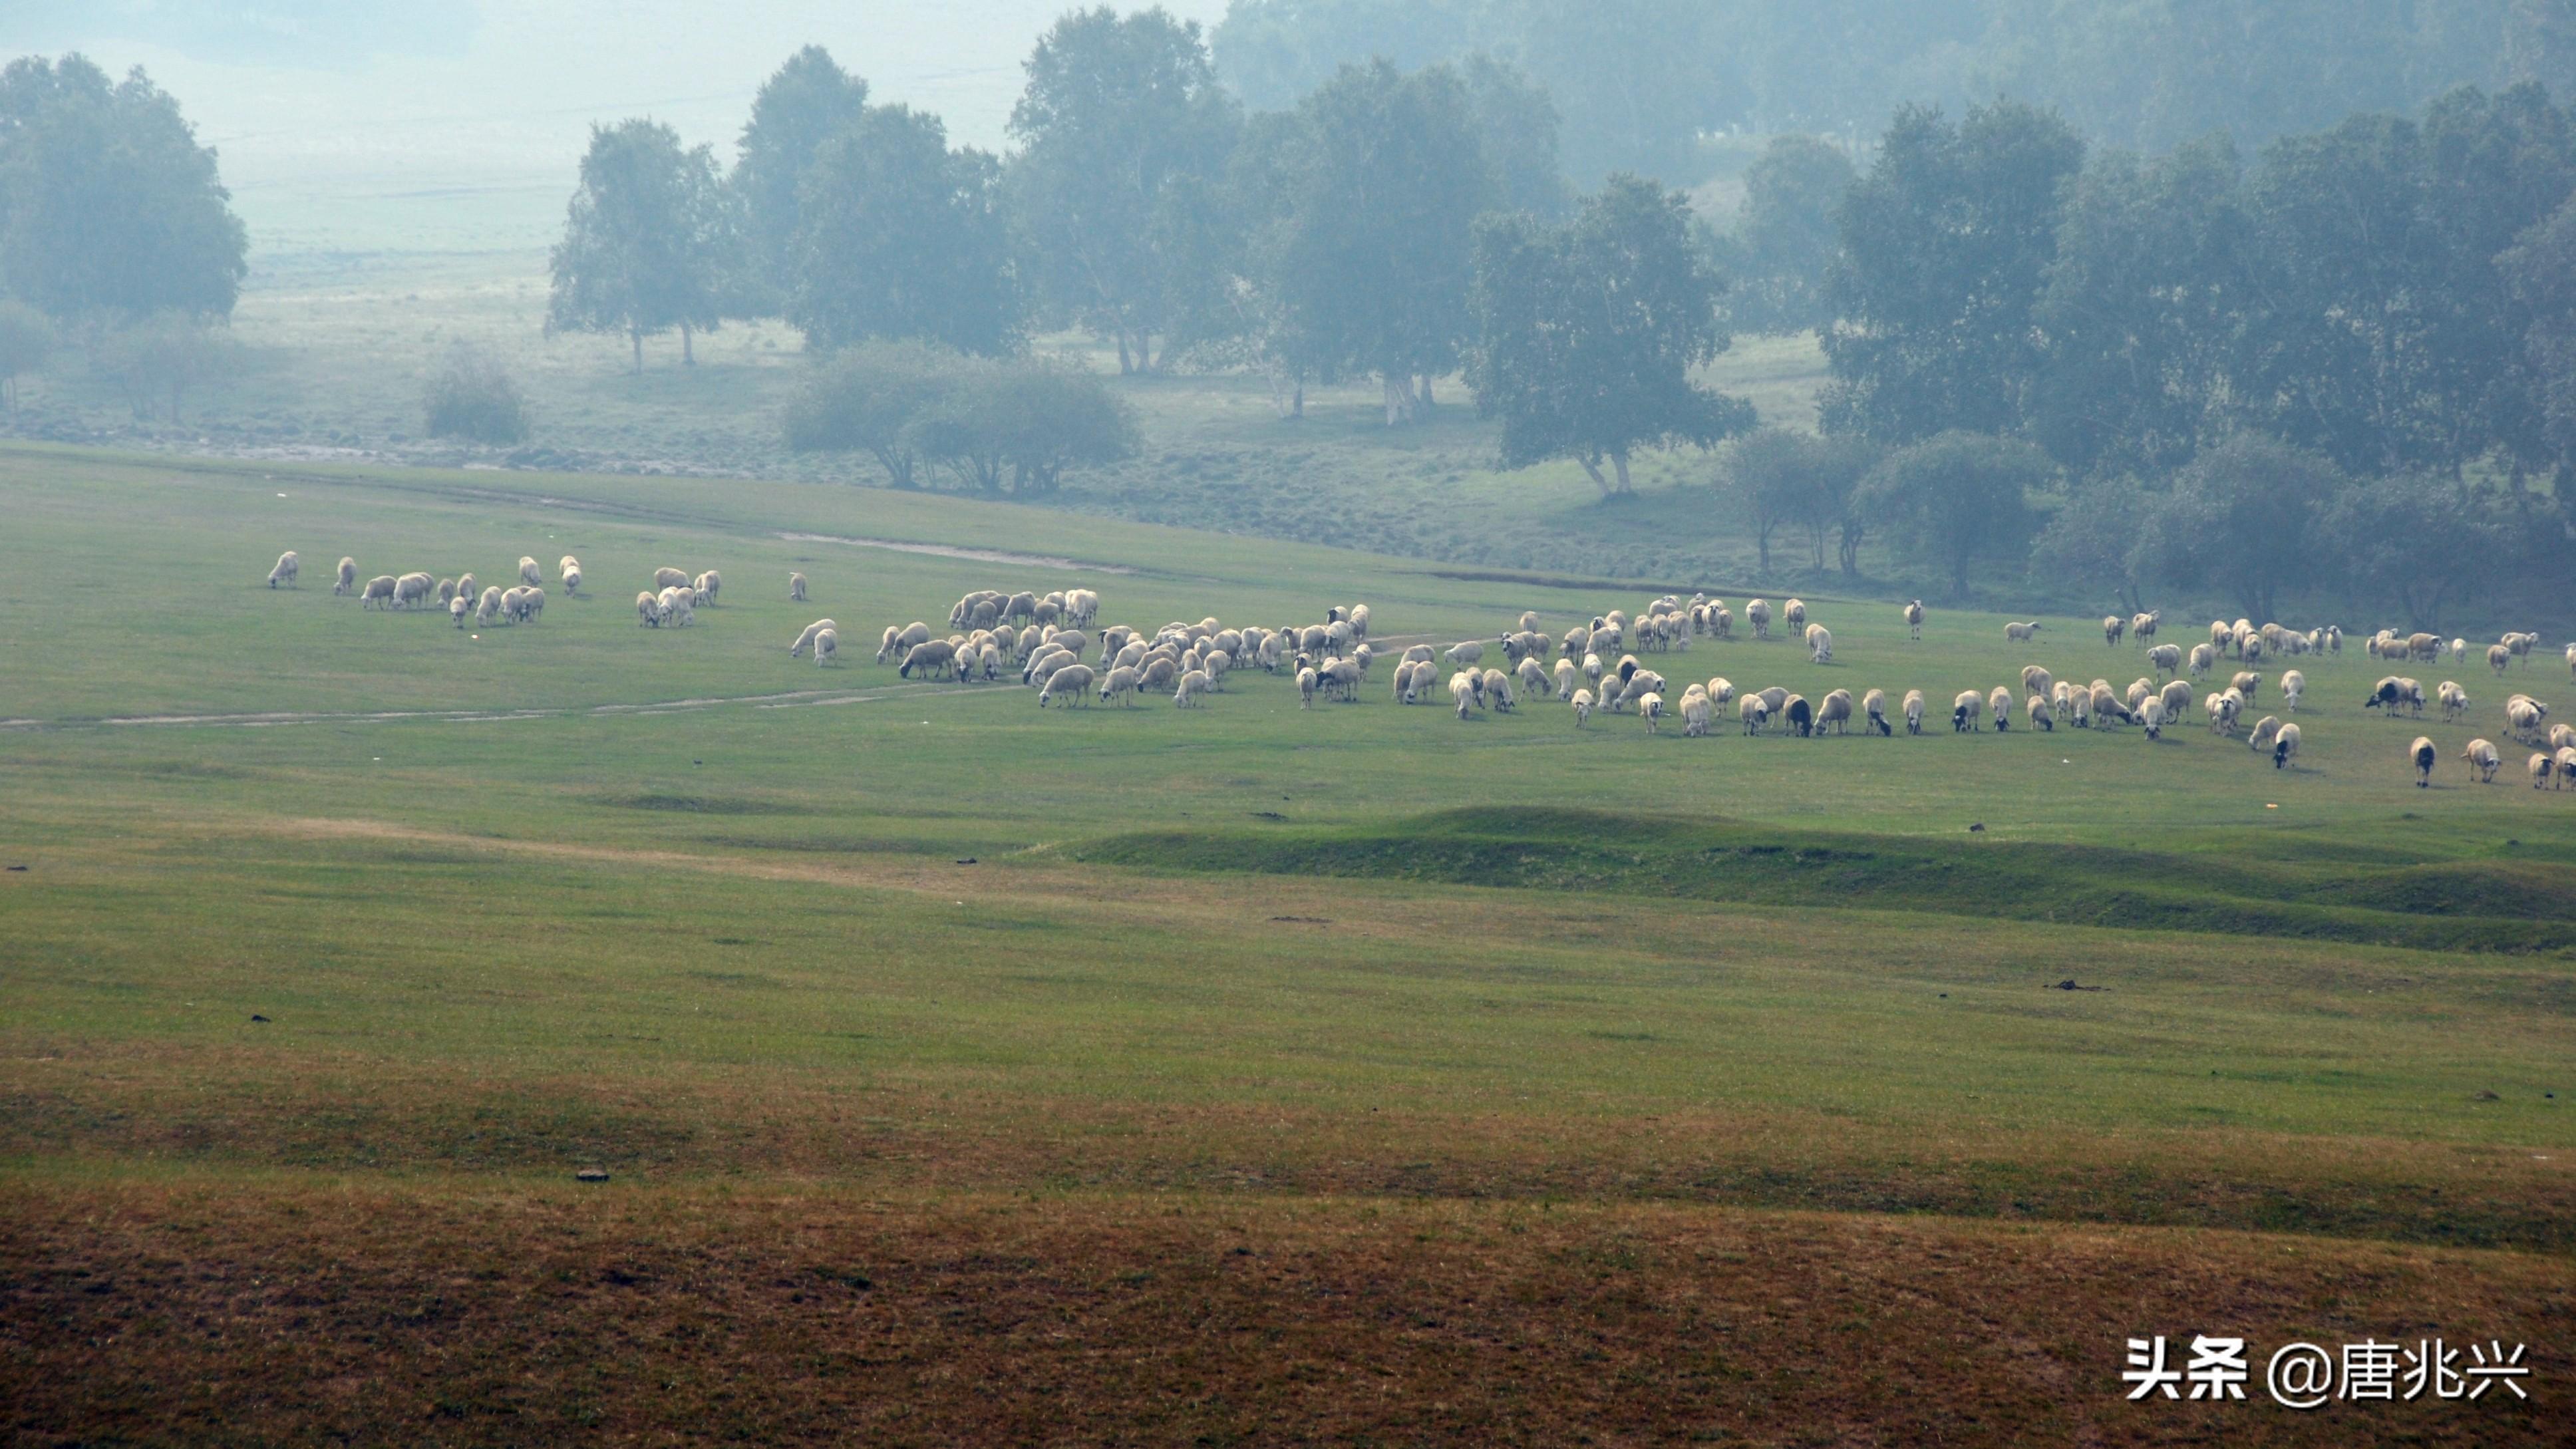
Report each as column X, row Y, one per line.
column 266, row 719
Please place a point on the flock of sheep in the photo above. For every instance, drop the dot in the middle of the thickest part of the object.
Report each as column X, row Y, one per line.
column 1591, row 668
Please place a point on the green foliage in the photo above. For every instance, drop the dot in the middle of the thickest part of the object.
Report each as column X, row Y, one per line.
column 1587, row 333
column 995, row 425
column 1371, row 267
column 161, row 357
column 1117, row 114
column 648, row 242
column 2091, row 542
column 1960, row 499
column 1944, row 245
column 807, row 102
column 1517, row 124
column 1782, row 477
column 27, row 338
column 108, row 206
column 2415, row 540
column 472, row 396
column 2540, row 269
column 2242, row 518
column 902, row 238
column 1784, row 233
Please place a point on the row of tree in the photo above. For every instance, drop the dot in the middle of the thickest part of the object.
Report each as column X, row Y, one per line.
column 994, row 425
column 1640, row 81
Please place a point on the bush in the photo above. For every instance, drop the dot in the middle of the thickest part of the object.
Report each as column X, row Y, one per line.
column 162, row 356
column 473, row 397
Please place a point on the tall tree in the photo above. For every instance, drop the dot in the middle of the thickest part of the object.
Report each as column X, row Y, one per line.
column 1943, row 245
column 2422, row 541
column 1960, row 499
column 2540, row 271
column 108, row 206
column 645, row 240
column 2143, row 308
column 1784, row 231
column 1587, row 333
column 1117, row 111
column 2242, row 518
column 1782, row 477
column 1374, row 260
column 902, row 237
column 1517, row 123
column 807, row 102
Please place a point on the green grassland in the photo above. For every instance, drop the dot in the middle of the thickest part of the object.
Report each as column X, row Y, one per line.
column 971, row 1072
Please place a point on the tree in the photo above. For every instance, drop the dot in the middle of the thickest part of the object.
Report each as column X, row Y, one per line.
column 2242, row 518
column 1056, row 419
column 2092, row 539
column 1785, row 230
column 108, row 206
column 1942, row 248
column 806, row 103
column 1372, row 267
column 867, row 397
column 2143, row 309
column 1959, row 499
column 27, row 338
column 1116, row 112
column 473, row 396
column 163, row 355
column 644, row 246
column 1783, row 477
column 2420, row 540
column 1587, row 333
column 1516, row 124
column 2540, row 274
column 902, row 237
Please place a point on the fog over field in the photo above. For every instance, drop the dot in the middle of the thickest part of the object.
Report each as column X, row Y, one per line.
column 451, row 124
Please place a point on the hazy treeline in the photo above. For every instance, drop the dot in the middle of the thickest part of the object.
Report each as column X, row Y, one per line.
column 1637, row 80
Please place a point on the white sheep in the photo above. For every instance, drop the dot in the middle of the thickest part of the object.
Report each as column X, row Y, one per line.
column 1836, row 710
column 378, row 594
column 1999, row 703
column 2453, row 699
column 1463, row 654
column 2567, row 767
column 1582, row 708
column 1696, row 712
column 1072, row 683
column 412, row 590
column 827, row 646
column 2285, row 747
column 1120, row 685
column 1914, row 711
column 2021, row 633
column 570, row 573
column 1874, row 708
column 1967, row 712
column 2293, row 685
column 806, row 637
column 347, row 580
column 2165, row 658
column 648, row 612
column 2177, row 697
column 1755, row 711
column 2152, row 714
column 1650, row 708
column 529, row 573
column 795, row 587
column 2037, row 709
column 1820, row 644
column 488, row 607
column 2483, row 759
column 284, row 573
column 458, row 607
column 1758, row 614
column 2421, row 755
column 1914, row 620
column 1193, row 684
column 2112, row 625
column 2540, row 770
column 709, row 583
column 667, row 578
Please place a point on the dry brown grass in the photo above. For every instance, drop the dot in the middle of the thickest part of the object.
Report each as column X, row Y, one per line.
column 221, row 1309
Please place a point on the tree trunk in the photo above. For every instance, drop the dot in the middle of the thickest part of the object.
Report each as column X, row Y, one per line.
column 1597, row 480
column 636, row 336
column 688, row 353
column 1399, row 398
column 1126, row 364
column 1422, row 394
column 1619, row 461
column 1298, row 409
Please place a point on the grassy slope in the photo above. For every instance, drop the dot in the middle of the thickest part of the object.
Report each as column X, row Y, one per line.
column 731, row 949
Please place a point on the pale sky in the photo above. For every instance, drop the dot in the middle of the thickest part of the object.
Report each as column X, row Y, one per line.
column 364, row 125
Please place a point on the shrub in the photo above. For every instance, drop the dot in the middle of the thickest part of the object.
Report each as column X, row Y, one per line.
column 472, row 396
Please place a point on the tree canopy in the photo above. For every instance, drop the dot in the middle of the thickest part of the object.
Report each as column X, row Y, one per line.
column 647, row 240
column 108, row 206
column 902, row 237
column 807, row 102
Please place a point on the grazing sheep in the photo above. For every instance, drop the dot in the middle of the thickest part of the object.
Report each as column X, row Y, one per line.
column 827, row 646
column 1721, row 690
column 457, row 608
column 1582, row 708
column 2567, row 768
column 2453, row 699
column 2519, row 646
column 648, row 613
column 2112, row 626
column 1794, row 613
column 348, row 577
column 2285, row 747
column 1193, row 684
column 1755, row 711
column 1470, row 652
column 1465, row 688
column 1914, row 620
column 2136, row 694
column 2107, row 707
column 284, row 572
column 2499, row 658
column 2540, row 770
column 2422, row 754
column 2483, row 759
column 446, row 592
column 1835, row 710
column 529, row 573
column 1820, row 644
column 1565, row 675
column 807, row 636
column 2142, row 627
column 795, row 587
column 2079, row 707
column 1721, row 622
column 488, row 607
column 1072, row 683
column 2571, row 659
column 1967, row 712
column 1914, row 711
column 1650, row 708
column 2561, row 736
column 668, row 578
column 933, row 657
column 1999, row 703
column 1758, row 614
column 2247, row 683
column 2165, row 658
column 379, row 593
column 2221, row 711
column 2021, row 633
column 2392, row 694
column 1696, row 712
column 413, row 590
column 2293, row 685
column 1533, row 678
column 1874, row 710
column 2038, row 710
column 1774, row 699
column 2265, row 733
column 2177, row 697
column 2522, row 715
column 1496, row 688
column 532, row 605
column 2035, row 680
